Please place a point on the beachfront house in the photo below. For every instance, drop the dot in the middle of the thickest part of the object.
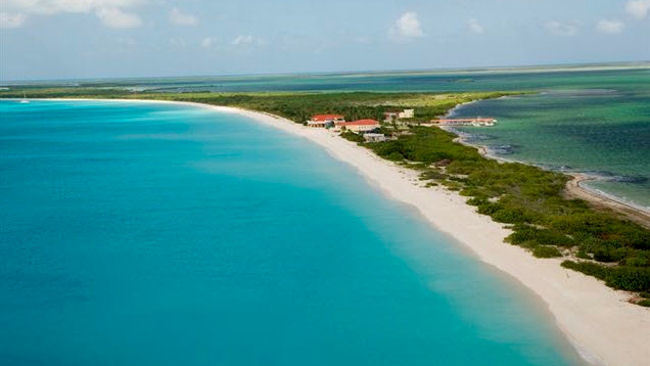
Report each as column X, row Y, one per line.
column 407, row 113
column 374, row 137
column 362, row 125
column 325, row 120
column 391, row 116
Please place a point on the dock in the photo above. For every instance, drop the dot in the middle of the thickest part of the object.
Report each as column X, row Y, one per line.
column 476, row 122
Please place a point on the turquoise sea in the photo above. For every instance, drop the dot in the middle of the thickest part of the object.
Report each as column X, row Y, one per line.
column 588, row 120
column 593, row 121
column 149, row 234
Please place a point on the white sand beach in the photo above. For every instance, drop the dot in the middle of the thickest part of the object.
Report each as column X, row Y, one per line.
column 576, row 189
column 603, row 326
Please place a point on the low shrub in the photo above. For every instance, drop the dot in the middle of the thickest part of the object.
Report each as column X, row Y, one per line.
column 351, row 136
column 546, row 251
column 644, row 302
column 622, row 278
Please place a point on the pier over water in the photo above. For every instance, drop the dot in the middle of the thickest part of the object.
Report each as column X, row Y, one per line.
column 481, row 122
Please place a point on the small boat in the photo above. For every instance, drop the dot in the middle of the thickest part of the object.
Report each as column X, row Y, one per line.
column 24, row 100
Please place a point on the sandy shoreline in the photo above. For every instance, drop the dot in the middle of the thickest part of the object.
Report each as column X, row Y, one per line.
column 575, row 189
column 602, row 325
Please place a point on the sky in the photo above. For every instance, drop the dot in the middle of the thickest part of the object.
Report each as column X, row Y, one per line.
column 63, row 39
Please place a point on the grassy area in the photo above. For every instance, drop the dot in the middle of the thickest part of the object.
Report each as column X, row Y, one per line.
column 530, row 200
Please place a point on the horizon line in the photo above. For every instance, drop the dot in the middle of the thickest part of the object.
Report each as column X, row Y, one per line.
column 637, row 64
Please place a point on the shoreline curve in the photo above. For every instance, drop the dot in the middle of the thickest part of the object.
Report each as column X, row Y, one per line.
column 600, row 323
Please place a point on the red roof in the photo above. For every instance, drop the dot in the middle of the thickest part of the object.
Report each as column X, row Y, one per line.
column 361, row 122
column 326, row 117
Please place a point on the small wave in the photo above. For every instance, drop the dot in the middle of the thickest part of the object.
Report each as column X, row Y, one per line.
column 621, row 199
column 599, row 174
column 502, row 149
column 470, row 138
column 580, row 92
column 558, row 168
column 633, row 179
column 613, row 177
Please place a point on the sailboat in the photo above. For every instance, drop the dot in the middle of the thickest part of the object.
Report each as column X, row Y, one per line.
column 24, row 100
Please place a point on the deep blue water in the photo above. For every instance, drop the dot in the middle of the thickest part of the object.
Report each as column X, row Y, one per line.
column 146, row 234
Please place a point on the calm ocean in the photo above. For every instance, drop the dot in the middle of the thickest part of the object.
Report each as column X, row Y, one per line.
column 588, row 121
column 149, row 234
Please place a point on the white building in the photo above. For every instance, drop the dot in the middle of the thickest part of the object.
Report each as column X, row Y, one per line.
column 407, row 113
column 374, row 137
column 325, row 120
column 395, row 115
column 362, row 125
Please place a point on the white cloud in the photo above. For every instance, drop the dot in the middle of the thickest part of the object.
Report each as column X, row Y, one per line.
column 406, row 27
column 208, row 42
column 362, row 40
column 475, row 27
column 68, row 6
column 610, row 26
column 112, row 13
column 562, row 29
column 9, row 20
column 243, row 40
column 179, row 18
column 177, row 42
column 638, row 8
column 126, row 42
column 116, row 18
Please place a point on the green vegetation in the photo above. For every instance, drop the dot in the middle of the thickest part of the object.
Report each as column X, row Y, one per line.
column 546, row 251
column 296, row 106
column 531, row 200
column 619, row 277
column 354, row 137
column 644, row 302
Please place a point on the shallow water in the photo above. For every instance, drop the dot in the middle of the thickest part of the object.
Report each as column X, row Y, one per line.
column 434, row 81
column 604, row 133
column 590, row 121
column 164, row 234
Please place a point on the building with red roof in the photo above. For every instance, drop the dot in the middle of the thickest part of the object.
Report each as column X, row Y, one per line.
column 362, row 125
column 325, row 120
